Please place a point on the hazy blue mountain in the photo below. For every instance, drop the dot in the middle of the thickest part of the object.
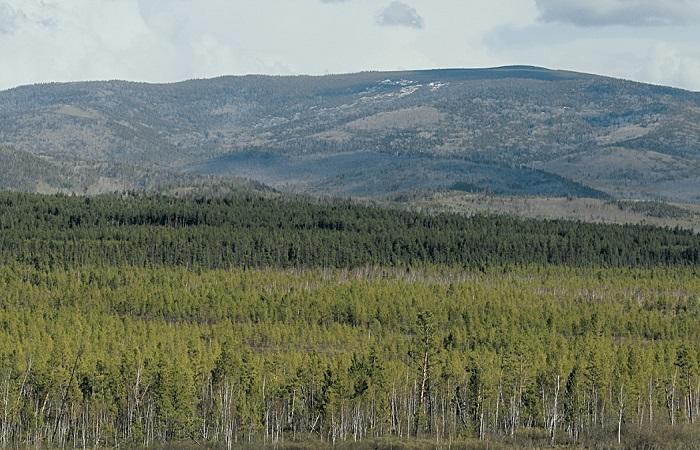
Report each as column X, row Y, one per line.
column 512, row 130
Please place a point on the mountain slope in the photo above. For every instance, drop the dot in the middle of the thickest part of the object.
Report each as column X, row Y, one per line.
column 514, row 130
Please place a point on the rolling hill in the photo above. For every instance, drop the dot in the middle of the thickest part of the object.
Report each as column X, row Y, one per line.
column 515, row 130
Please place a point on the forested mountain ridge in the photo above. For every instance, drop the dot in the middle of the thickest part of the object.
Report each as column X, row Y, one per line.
column 511, row 130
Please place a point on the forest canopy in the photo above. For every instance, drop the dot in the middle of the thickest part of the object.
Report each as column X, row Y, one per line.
column 262, row 320
column 253, row 230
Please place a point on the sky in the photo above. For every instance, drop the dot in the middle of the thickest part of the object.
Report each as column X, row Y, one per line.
column 170, row 40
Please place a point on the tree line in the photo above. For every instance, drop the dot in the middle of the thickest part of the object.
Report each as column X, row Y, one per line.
column 252, row 230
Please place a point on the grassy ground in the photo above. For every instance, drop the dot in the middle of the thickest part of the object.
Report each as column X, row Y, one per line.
column 585, row 209
column 678, row 438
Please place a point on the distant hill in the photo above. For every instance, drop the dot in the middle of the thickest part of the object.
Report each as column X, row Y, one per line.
column 512, row 130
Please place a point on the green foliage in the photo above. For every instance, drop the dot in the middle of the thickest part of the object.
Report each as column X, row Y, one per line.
column 655, row 209
column 254, row 356
column 259, row 231
column 140, row 321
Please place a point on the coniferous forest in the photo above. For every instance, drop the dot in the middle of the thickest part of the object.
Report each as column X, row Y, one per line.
column 256, row 320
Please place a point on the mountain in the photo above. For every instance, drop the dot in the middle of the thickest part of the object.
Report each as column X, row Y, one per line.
column 515, row 130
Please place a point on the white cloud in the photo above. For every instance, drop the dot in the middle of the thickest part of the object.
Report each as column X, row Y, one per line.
column 620, row 12
column 670, row 58
column 677, row 65
column 9, row 19
column 170, row 40
column 400, row 14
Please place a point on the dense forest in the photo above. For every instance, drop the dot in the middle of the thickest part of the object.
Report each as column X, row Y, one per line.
column 254, row 230
column 256, row 320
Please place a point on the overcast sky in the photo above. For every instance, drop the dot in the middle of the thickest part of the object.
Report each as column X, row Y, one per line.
column 169, row 40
